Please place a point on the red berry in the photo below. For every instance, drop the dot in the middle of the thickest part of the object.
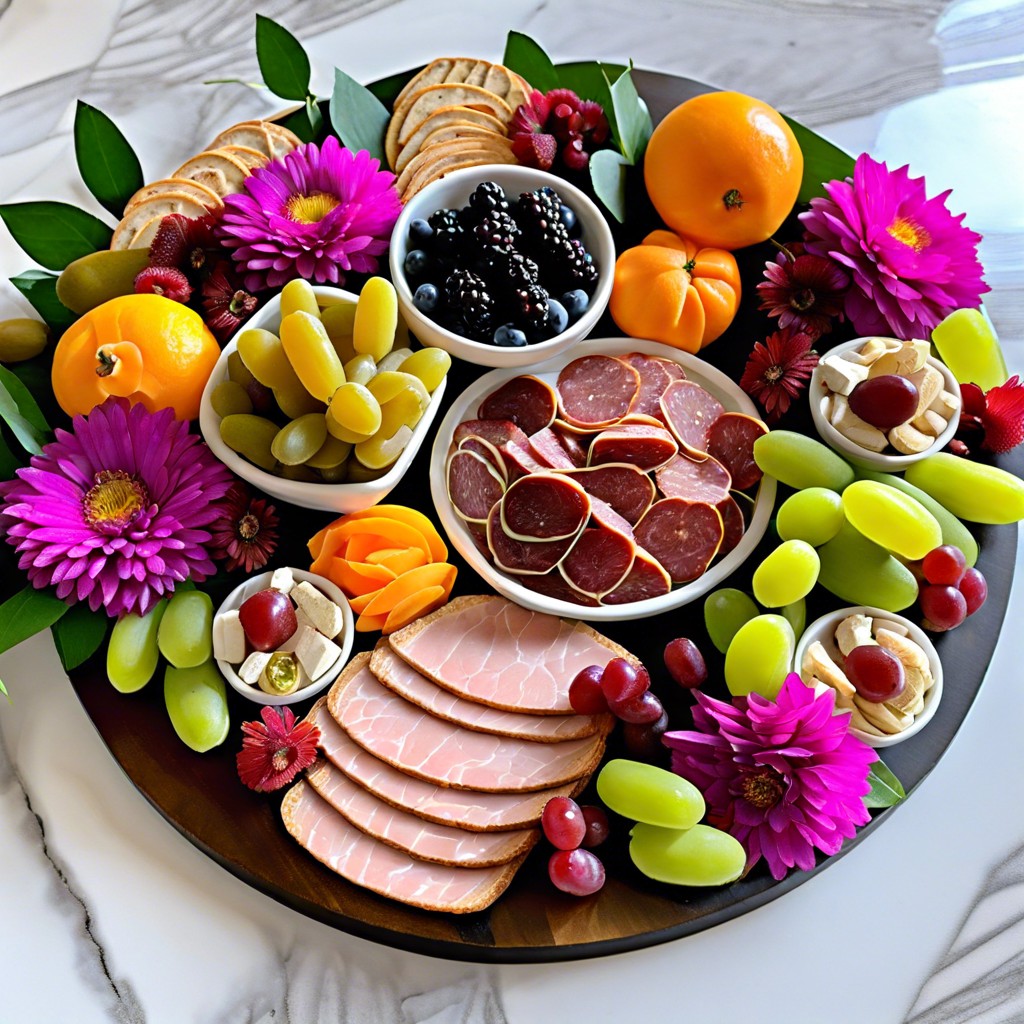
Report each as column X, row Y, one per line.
column 643, row 741
column 622, row 680
column 640, row 710
column 943, row 608
column 167, row 281
column 563, row 823
column 975, row 590
column 585, row 693
column 268, row 619
column 577, row 872
column 944, row 565
column 884, row 402
column 685, row 663
column 597, row 826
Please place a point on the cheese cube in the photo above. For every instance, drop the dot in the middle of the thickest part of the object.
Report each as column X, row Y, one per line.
column 283, row 580
column 315, row 652
column 228, row 638
column 841, row 376
column 321, row 611
column 252, row 668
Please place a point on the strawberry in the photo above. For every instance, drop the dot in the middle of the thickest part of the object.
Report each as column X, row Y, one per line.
column 167, row 281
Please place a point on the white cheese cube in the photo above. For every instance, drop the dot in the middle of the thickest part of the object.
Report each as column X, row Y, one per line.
column 315, row 652
column 252, row 668
column 321, row 611
column 841, row 376
column 283, row 580
column 228, row 638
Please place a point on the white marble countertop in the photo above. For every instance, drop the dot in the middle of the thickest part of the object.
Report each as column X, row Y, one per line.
column 110, row 915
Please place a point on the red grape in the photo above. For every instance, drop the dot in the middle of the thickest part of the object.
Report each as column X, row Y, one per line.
column 685, row 663
column 876, row 673
column 622, row 680
column 644, row 741
column 945, row 565
column 884, row 402
column 268, row 619
column 577, row 872
column 943, row 608
column 585, row 694
column 975, row 590
column 639, row 710
column 597, row 826
column 563, row 823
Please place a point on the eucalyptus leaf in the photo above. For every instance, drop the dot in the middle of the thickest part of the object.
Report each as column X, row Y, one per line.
column 78, row 635
column 823, row 161
column 526, row 57
column 30, row 611
column 19, row 411
column 632, row 117
column 316, row 120
column 40, row 288
column 359, row 118
column 608, row 176
column 886, row 789
column 108, row 164
column 24, row 399
column 283, row 62
column 55, row 234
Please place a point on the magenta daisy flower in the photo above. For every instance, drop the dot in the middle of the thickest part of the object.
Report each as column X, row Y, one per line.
column 115, row 512
column 805, row 292
column 318, row 213
column 911, row 261
column 785, row 777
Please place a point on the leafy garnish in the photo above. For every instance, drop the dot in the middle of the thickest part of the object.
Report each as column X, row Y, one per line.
column 29, row 612
column 608, row 176
column 632, row 118
column 527, row 58
column 359, row 118
column 18, row 409
column 886, row 789
column 40, row 288
column 283, row 62
column 823, row 161
column 55, row 234
column 108, row 164
column 78, row 634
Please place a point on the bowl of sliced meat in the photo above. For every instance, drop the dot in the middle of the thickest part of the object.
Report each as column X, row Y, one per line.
column 614, row 484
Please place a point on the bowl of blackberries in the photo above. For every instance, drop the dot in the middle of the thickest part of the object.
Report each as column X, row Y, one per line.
column 502, row 265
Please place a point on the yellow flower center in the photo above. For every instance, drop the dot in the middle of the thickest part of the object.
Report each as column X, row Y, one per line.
column 312, row 208
column 909, row 233
column 114, row 500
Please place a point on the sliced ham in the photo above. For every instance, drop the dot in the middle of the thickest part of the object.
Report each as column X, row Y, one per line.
column 683, row 536
column 646, row 578
column 627, row 489
column 529, row 402
column 731, row 440
column 544, row 506
column 641, row 445
column 690, row 411
column 474, row 485
column 682, row 477
column 596, row 390
column 524, row 557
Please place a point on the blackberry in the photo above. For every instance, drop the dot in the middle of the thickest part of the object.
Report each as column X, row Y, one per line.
column 471, row 303
column 531, row 310
column 567, row 265
column 487, row 197
column 448, row 232
column 539, row 216
column 497, row 228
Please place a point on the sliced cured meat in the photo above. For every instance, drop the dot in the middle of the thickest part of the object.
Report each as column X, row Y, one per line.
column 505, row 656
column 477, row 812
column 733, row 525
column 646, row 578
column 640, row 445
column 524, row 557
column 625, row 488
column 602, row 555
column 365, row 861
column 571, row 443
column 683, row 536
column 731, row 441
column 554, row 585
column 478, row 535
column 507, row 438
column 441, row 844
column 654, row 379
column 547, row 445
column 671, row 367
column 485, row 450
column 690, row 411
column 400, row 676
column 640, row 419
column 474, row 486
column 596, row 390
column 529, row 402
column 415, row 742
column 544, row 506
column 695, row 481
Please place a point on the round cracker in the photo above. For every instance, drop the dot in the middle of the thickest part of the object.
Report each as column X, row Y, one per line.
column 201, row 193
column 158, row 206
column 443, row 150
column 249, row 156
column 215, row 169
column 431, row 172
column 441, row 116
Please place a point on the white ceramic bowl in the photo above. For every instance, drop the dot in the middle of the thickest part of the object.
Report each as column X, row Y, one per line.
column 824, row 629
column 452, row 192
column 464, row 408
column 862, row 456
column 344, row 640
column 341, row 498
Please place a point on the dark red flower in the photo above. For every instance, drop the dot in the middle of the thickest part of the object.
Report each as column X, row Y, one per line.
column 778, row 370
column 185, row 243
column 558, row 121
column 275, row 750
column 227, row 305
column 804, row 292
column 244, row 535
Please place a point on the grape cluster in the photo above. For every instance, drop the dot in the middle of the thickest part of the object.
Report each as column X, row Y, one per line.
column 572, row 829
column 952, row 591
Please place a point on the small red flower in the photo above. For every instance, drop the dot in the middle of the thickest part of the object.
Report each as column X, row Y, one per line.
column 226, row 304
column 244, row 535
column 558, row 121
column 778, row 370
column 167, row 281
column 998, row 415
column 185, row 243
column 804, row 292
column 276, row 750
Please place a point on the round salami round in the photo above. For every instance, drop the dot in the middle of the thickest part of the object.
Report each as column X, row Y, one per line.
column 731, row 441
column 527, row 401
column 524, row 557
column 684, row 536
column 646, row 578
column 690, row 411
column 596, row 391
column 474, row 486
column 695, row 481
column 544, row 506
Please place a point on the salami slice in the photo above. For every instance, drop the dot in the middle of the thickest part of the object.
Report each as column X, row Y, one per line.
column 527, row 401
column 486, row 450
column 646, row 578
column 544, row 506
column 644, row 446
column 524, row 557
column 689, row 412
column 553, row 585
column 571, row 443
column 733, row 524
column 548, row 447
column 671, row 367
column 731, row 441
column 654, row 379
column 684, row 536
column 602, row 555
column 596, row 391
column 695, row 481
column 507, row 438
column 625, row 488
column 474, row 486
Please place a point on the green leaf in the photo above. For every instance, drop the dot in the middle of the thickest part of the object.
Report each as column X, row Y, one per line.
column 55, row 234
column 359, row 118
column 29, row 612
column 19, row 411
column 886, row 789
column 316, row 120
column 590, row 81
column 40, row 288
column 108, row 164
column 78, row 635
column 608, row 176
column 823, row 161
column 3, row 690
column 632, row 118
column 283, row 62
column 526, row 57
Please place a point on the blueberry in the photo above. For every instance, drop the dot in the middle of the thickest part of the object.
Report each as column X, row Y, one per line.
column 507, row 336
column 576, row 303
column 569, row 219
column 425, row 299
column 416, row 261
column 420, row 231
column 558, row 318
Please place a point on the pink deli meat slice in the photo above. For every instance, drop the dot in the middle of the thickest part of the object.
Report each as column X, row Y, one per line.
column 547, row 445
column 655, row 377
column 689, row 412
column 442, row 844
column 490, row 650
column 474, row 486
column 596, row 391
column 640, row 445
column 487, row 451
column 400, row 676
column 553, row 584
column 529, row 402
column 733, row 524
column 603, row 554
column 695, row 481
column 417, row 743
column 628, row 490
column 576, row 451
column 367, row 862
column 646, row 578
column 731, row 441
column 509, row 440
column 475, row 811
column 683, row 536
column 524, row 557
column 544, row 506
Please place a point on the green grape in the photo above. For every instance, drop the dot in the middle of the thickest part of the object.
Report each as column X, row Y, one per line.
column 301, row 473
column 376, row 319
column 800, row 461
column 968, row 345
column 389, row 384
column 725, row 611
column 891, row 518
column 312, row 354
column 336, row 474
column 970, row 490
column 298, row 294
column 357, row 473
column 197, row 704
column 355, row 409
column 264, row 357
column 759, row 657
column 796, row 615
column 701, row 855
column 394, row 360
column 132, row 652
column 360, row 369
column 300, row 440
column 185, row 635
column 339, row 320
column 650, row 794
column 860, row 571
column 380, row 451
column 430, row 365
column 814, row 515
column 252, row 437
column 238, row 371
column 331, row 454
column 786, row 575
column 229, row 398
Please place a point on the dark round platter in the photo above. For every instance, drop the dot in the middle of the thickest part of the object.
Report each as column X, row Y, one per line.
column 201, row 796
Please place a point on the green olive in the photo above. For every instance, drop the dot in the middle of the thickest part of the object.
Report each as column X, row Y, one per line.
column 21, row 339
column 93, row 279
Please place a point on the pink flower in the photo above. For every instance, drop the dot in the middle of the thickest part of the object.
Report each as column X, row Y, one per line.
column 275, row 750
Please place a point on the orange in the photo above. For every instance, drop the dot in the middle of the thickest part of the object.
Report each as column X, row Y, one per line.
column 146, row 348
column 724, row 170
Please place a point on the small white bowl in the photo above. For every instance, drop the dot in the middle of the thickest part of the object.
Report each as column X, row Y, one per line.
column 453, row 192
column 344, row 640
column 862, row 456
column 824, row 629
column 341, row 498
